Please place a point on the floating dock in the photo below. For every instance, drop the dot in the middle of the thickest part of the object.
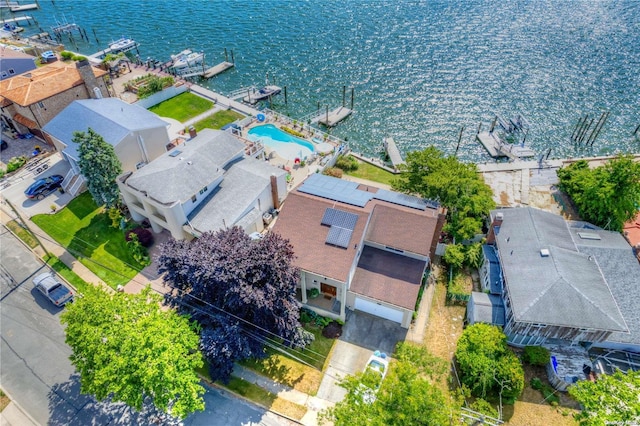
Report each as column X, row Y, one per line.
column 498, row 149
column 218, row 69
column 23, row 7
column 331, row 118
column 392, row 151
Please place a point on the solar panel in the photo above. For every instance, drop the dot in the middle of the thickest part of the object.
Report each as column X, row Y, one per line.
column 339, row 218
column 338, row 236
column 335, row 189
column 400, row 199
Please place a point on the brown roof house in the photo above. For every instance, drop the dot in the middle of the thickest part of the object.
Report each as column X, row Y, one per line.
column 359, row 247
column 30, row 100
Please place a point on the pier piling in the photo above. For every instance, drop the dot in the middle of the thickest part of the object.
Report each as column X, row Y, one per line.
column 459, row 140
column 285, row 95
column 344, row 94
column 233, row 61
column 635, row 132
column 352, row 96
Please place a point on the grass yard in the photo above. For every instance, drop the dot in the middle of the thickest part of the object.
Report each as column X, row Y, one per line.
column 265, row 398
column 443, row 330
column 22, row 233
column 85, row 230
column 65, row 272
column 295, row 374
column 217, row 120
column 182, row 107
column 4, row 401
column 372, row 173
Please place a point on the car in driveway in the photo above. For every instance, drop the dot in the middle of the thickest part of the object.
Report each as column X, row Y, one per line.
column 54, row 290
column 43, row 187
column 374, row 373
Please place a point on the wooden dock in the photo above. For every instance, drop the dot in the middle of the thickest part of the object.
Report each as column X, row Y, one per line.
column 497, row 149
column 217, row 69
column 331, row 118
column 392, row 151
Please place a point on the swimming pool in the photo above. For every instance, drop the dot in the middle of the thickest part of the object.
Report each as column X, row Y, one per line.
column 284, row 144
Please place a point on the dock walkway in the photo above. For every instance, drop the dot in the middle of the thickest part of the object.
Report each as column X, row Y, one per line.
column 218, row 69
column 393, row 151
column 331, row 118
column 497, row 148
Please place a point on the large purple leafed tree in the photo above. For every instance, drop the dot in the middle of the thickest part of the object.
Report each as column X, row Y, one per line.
column 240, row 290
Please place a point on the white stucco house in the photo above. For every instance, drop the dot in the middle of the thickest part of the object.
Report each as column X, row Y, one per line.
column 205, row 184
column 137, row 135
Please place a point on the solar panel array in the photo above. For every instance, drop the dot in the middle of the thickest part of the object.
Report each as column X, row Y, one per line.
column 338, row 236
column 335, row 189
column 400, row 199
column 335, row 217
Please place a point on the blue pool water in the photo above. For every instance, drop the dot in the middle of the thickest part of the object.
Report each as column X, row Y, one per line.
column 284, row 144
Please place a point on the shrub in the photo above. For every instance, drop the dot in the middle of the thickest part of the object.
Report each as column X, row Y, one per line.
column 347, row 163
column 78, row 58
column 454, row 255
column 333, row 171
column 116, row 216
column 313, row 292
column 292, row 132
column 2, row 173
column 144, row 236
column 482, row 406
column 536, row 355
column 15, row 163
column 66, row 55
column 536, row 383
column 138, row 252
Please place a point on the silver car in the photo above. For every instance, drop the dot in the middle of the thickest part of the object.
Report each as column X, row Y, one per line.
column 54, row 290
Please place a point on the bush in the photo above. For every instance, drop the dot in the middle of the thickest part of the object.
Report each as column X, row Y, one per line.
column 347, row 163
column 454, row 255
column 536, row 355
column 79, row 58
column 144, row 236
column 333, row 171
column 138, row 252
column 66, row 55
column 313, row 292
column 536, row 383
column 15, row 163
column 2, row 173
column 292, row 132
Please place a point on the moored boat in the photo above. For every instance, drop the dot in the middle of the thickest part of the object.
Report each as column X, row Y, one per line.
column 122, row 45
column 186, row 59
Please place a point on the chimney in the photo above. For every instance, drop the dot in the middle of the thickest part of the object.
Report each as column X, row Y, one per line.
column 494, row 229
column 192, row 132
column 274, row 192
column 90, row 81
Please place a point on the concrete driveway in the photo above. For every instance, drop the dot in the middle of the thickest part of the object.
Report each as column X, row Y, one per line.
column 14, row 188
column 361, row 335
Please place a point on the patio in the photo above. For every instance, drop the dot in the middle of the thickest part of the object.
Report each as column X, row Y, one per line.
column 322, row 301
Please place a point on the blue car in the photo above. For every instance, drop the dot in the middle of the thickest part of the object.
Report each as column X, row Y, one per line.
column 43, row 187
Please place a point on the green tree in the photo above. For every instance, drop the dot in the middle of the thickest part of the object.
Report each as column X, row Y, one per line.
column 454, row 255
column 407, row 396
column 457, row 185
column 612, row 399
column 488, row 367
column 607, row 196
column 100, row 166
column 128, row 349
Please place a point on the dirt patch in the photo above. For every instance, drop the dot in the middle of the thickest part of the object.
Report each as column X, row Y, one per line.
column 4, row 401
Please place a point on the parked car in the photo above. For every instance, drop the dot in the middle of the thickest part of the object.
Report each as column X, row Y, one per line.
column 54, row 290
column 377, row 367
column 43, row 187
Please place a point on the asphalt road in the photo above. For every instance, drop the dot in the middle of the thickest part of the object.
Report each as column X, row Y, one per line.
column 36, row 372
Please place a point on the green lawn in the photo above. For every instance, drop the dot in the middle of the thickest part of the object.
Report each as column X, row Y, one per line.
column 66, row 273
column 22, row 233
column 373, row 173
column 182, row 107
column 217, row 120
column 85, row 230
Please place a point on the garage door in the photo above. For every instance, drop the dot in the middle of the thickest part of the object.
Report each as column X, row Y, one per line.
column 378, row 310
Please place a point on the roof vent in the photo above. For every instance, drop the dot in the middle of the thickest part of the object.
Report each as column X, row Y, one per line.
column 589, row 236
column 544, row 252
column 189, row 162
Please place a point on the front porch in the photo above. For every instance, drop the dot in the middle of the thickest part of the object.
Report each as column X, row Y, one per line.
column 323, row 304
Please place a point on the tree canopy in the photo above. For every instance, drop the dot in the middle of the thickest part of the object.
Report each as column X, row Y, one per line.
column 407, row 395
column 241, row 291
column 457, row 185
column 607, row 196
column 487, row 366
column 100, row 166
column 612, row 399
column 128, row 349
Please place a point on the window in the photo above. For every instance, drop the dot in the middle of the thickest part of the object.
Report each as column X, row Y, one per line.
column 41, row 105
column 203, row 190
column 4, row 74
column 12, row 71
column 193, row 199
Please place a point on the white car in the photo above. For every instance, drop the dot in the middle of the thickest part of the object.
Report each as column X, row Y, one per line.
column 378, row 364
column 53, row 289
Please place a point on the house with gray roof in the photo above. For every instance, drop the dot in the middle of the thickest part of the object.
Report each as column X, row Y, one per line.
column 205, row 184
column 561, row 281
column 137, row 135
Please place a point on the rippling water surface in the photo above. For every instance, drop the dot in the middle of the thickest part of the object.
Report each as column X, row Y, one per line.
column 420, row 70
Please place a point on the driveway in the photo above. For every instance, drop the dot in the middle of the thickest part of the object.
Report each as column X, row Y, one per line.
column 15, row 185
column 361, row 335
column 35, row 370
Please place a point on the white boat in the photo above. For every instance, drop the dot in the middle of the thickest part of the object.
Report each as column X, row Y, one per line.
column 186, row 59
column 263, row 93
column 122, row 45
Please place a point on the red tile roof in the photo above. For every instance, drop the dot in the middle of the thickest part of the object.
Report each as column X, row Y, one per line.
column 42, row 83
column 402, row 229
column 388, row 277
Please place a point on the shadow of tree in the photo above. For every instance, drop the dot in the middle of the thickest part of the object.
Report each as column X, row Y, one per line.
column 67, row 406
column 82, row 206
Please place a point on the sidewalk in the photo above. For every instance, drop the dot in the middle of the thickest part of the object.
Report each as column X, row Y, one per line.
column 14, row 415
